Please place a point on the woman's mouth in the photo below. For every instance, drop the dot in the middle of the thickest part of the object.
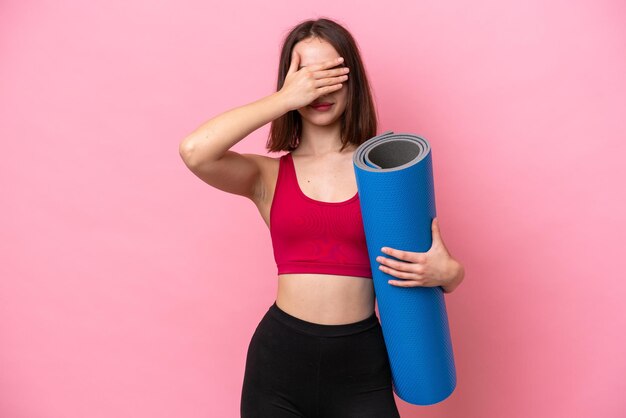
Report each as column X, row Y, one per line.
column 322, row 107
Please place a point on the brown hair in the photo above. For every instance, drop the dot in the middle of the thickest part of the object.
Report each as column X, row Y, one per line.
column 359, row 119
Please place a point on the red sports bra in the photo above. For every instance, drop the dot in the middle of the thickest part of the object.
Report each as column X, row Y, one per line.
column 312, row 236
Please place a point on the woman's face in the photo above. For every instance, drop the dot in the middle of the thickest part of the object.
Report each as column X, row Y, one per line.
column 317, row 51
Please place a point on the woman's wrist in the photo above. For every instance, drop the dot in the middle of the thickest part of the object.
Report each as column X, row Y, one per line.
column 280, row 101
column 457, row 272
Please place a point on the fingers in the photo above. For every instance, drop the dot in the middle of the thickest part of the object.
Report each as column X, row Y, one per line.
column 324, row 77
column 329, row 77
column 394, row 252
column 330, row 80
column 329, row 89
column 295, row 60
column 321, row 71
column 340, row 73
column 395, row 264
column 328, row 64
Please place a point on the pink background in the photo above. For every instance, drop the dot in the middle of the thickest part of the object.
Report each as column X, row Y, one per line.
column 130, row 288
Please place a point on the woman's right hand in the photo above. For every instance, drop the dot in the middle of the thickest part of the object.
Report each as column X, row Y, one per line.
column 303, row 86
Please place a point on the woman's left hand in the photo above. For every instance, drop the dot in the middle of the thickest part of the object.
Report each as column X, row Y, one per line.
column 433, row 268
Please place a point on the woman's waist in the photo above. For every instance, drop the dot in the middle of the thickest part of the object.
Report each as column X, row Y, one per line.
column 326, row 298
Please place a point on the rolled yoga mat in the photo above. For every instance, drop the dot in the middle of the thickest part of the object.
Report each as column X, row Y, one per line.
column 396, row 192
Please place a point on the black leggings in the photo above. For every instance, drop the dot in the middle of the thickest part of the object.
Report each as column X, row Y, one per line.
column 296, row 368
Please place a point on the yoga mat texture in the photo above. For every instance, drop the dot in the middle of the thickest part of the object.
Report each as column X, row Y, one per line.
column 396, row 192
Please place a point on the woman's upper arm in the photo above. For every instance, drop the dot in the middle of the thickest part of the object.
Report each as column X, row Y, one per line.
column 235, row 173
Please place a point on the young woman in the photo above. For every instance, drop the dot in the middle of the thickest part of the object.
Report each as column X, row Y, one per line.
column 319, row 349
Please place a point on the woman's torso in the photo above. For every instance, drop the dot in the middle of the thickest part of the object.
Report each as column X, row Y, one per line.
column 320, row 298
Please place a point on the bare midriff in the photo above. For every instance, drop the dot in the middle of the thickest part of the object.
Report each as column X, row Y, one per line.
column 326, row 298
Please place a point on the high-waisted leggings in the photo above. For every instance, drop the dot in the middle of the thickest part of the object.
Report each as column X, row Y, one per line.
column 296, row 368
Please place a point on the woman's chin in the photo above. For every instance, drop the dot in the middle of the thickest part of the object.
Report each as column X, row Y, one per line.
column 321, row 121
column 321, row 118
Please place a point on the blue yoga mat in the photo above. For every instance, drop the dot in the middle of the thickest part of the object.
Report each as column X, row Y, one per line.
column 396, row 192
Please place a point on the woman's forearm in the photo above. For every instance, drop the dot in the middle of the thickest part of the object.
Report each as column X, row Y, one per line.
column 211, row 140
